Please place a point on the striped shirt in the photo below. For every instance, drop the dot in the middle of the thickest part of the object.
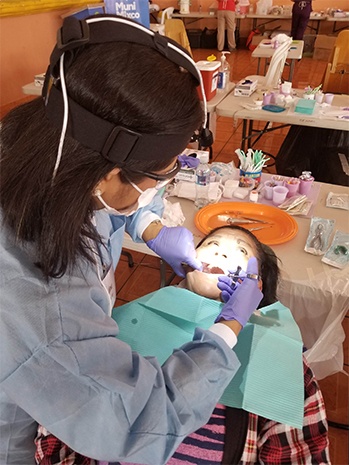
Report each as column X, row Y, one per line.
column 263, row 441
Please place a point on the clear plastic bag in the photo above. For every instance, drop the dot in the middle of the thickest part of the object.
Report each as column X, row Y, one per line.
column 297, row 205
column 338, row 253
column 319, row 236
column 337, row 201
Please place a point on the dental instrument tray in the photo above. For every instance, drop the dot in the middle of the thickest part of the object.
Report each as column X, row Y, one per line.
column 269, row 224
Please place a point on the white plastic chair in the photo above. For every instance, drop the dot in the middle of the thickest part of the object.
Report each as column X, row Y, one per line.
column 165, row 14
column 276, row 66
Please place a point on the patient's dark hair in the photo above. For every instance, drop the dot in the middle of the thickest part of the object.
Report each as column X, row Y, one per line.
column 126, row 84
column 267, row 262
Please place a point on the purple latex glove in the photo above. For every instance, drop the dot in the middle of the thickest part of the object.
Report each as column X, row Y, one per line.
column 228, row 284
column 176, row 246
column 245, row 298
column 188, row 162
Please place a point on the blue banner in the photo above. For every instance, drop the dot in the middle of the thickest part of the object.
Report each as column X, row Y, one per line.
column 137, row 10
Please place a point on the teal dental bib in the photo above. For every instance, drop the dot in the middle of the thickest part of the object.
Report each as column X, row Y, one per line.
column 269, row 382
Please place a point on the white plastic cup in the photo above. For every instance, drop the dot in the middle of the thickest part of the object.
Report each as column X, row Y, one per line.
column 279, row 194
column 329, row 98
column 278, row 180
column 280, row 99
column 286, row 87
column 268, row 190
column 319, row 96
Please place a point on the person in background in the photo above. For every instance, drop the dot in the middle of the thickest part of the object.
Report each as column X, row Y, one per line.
column 300, row 17
column 79, row 168
column 226, row 19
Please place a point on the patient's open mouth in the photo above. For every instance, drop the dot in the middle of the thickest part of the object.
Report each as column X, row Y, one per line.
column 206, row 268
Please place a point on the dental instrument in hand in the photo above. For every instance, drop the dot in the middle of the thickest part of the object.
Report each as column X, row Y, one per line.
column 228, row 284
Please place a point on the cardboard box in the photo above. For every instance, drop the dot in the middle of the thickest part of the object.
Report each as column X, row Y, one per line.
column 323, row 47
column 256, row 39
column 245, row 88
column 189, row 174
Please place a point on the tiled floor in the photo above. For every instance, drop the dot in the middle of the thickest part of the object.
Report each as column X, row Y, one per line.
column 144, row 276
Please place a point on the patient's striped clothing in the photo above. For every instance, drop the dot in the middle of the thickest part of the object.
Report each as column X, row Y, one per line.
column 266, row 442
column 205, row 446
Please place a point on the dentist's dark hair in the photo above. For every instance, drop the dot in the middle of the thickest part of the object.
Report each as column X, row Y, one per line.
column 124, row 83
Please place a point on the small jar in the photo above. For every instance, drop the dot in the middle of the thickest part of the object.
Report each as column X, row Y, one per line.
column 306, row 182
column 254, row 196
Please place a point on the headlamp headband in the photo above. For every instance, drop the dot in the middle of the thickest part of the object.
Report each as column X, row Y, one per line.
column 116, row 143
column 102, row 29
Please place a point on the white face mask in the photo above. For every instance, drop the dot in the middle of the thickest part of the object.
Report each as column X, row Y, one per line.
column 143, row 200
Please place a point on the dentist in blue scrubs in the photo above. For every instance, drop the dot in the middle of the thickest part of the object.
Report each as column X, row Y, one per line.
column 79, row 167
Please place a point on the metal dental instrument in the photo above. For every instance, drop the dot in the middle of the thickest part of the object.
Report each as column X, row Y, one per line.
column 317, row 241
column 239, row 274
column 235, row 276
column 254, row 220
column 240, row 220
column 260, row 227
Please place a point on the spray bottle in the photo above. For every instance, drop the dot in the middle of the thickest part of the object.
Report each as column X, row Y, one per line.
column 223, row 73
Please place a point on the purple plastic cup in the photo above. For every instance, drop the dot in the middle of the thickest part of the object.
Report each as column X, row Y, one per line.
column 292, row 186
column 305, row 186
column 266, row 99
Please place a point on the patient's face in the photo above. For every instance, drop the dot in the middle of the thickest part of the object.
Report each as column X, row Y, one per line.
column 225, row 250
